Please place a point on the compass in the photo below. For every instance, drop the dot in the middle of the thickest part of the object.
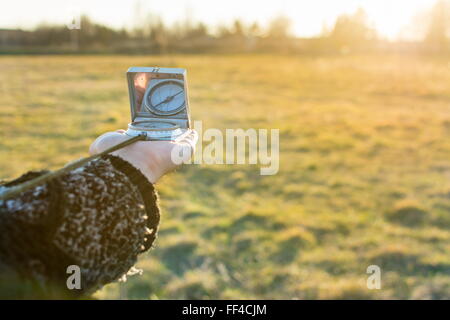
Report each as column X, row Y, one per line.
column 159, row 102
column 165, row 98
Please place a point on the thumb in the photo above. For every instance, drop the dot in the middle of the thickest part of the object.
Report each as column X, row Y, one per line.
column 106, row 141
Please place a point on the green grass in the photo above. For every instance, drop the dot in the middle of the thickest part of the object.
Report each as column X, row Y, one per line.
column 364, row 172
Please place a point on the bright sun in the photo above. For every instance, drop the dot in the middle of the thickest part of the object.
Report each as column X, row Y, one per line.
column 387, row 16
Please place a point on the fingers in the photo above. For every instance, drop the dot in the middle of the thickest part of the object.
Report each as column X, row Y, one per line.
column 190, row 139
column 184, row 148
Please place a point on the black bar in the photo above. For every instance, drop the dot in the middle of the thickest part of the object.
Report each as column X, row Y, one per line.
column 227, row 309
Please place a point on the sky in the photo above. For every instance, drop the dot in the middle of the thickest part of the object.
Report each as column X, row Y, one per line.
column 309, row 17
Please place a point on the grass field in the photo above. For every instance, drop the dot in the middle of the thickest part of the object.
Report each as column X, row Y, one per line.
column 364, row 171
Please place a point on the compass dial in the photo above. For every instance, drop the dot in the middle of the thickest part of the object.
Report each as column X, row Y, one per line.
column 166, row 98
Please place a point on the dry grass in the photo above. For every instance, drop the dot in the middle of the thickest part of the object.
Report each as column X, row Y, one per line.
column 364, row 176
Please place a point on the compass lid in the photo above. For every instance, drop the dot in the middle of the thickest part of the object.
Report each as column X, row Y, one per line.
column 141, row 80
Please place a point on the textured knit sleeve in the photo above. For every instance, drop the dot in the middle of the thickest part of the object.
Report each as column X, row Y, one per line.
column 98, row 217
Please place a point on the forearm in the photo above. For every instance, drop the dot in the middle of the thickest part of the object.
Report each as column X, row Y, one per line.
column 99, row 217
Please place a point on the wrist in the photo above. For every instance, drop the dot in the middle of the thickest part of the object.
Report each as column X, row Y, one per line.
column 141, row 164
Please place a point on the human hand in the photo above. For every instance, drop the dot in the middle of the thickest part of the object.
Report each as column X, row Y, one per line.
column 152, row 158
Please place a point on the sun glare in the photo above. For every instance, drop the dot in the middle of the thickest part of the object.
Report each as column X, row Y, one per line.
column 308, row 17
column 388, row 17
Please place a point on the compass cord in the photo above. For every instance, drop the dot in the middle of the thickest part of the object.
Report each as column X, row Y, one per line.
column 16, row 190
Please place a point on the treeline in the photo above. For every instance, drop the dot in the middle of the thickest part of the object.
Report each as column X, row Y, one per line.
column 350, row 33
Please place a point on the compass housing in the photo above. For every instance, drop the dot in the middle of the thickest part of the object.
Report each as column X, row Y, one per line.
column 158, row 97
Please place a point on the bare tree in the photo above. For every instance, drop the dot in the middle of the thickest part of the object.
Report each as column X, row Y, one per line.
column 438, row 33
column 352, row 31
column 280, row 27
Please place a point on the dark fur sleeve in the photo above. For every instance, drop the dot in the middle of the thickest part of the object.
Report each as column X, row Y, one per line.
column 98, row 217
